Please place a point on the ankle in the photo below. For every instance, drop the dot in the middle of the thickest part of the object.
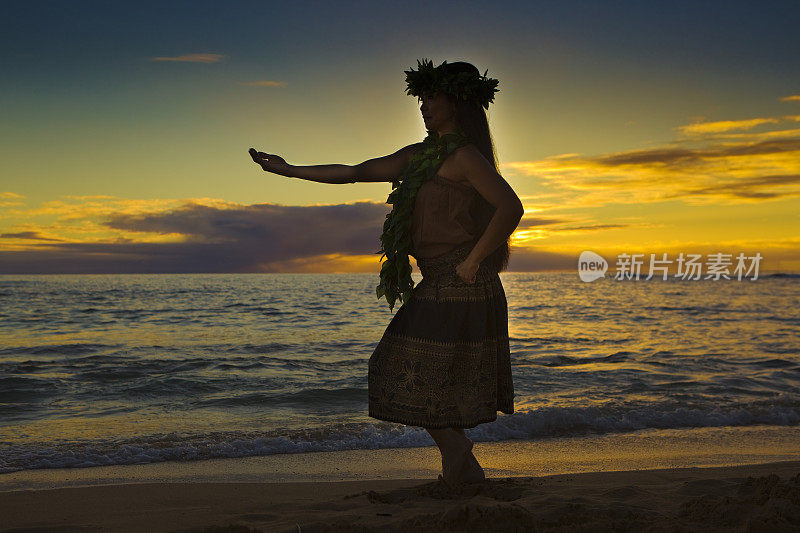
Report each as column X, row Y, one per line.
column 460, row 442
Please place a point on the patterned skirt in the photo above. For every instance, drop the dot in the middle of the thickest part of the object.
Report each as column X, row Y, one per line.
column 444, row 359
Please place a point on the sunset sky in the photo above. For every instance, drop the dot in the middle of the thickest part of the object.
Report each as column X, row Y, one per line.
column 624, row 127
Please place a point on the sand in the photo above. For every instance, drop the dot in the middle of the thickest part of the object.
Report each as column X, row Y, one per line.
column 763, row 496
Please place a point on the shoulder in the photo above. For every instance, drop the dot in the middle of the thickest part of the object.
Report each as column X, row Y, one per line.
column 468, row 150
column 468, row 157
column 412, row 148
column 405, row 153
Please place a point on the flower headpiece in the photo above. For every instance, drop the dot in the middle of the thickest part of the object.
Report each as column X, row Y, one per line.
column 462, row 85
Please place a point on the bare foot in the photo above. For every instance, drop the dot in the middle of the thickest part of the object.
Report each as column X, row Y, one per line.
column 472, row 472
column 455, row 461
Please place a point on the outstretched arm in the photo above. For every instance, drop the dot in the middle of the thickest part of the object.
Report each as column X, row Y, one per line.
column 386, row 168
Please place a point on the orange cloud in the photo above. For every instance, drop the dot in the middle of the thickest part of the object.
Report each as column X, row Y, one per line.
column 325, row 263
column 724, row 125
column 747, row 170
column 115, row 235
column 8, row 199
column 93, row 207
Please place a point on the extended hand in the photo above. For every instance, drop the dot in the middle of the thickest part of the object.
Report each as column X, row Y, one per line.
column 269, row 162
column 467, row 270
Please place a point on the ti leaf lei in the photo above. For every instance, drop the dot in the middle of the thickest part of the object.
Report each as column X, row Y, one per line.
column 396, row 242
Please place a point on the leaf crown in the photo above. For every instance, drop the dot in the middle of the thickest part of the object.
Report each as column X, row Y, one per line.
column 462, row 85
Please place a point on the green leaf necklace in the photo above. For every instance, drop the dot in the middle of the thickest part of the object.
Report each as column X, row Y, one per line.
column 396, row 242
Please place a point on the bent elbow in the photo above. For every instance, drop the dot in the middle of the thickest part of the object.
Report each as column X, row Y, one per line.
column 516, row 208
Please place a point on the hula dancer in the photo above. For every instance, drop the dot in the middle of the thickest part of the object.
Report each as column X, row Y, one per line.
column 443, row 362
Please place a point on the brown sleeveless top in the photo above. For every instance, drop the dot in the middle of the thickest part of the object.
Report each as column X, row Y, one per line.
column 443, row 217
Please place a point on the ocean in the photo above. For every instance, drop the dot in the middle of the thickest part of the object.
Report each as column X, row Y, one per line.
column 131, row 369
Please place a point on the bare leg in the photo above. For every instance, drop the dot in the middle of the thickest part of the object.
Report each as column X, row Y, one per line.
column 472, row 470
column 455, row 448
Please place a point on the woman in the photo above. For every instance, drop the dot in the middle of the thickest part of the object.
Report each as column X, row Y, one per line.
column 443, row 362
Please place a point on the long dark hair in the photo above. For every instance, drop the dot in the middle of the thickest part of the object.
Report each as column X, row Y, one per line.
column 470, row 118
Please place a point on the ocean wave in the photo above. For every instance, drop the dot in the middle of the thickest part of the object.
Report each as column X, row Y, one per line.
column 611, row 417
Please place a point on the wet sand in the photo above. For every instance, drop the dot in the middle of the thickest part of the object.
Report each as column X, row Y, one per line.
column 657, row 480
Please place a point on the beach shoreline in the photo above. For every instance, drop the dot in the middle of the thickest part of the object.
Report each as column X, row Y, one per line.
column 636, row 450
column 704, row 479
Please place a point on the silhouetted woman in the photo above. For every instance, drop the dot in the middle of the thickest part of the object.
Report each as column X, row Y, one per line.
column 443, row 362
